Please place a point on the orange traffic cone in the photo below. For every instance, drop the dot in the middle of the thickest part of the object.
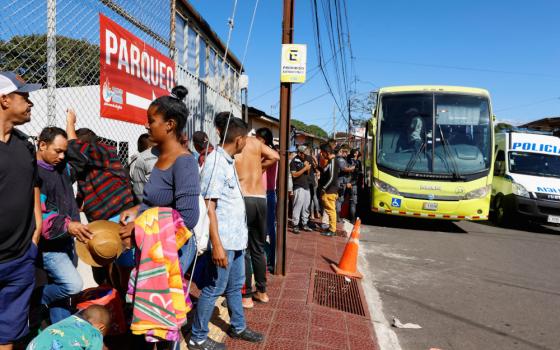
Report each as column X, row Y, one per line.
column 348, row 264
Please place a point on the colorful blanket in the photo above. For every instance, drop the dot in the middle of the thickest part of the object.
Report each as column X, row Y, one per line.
column 157, row 287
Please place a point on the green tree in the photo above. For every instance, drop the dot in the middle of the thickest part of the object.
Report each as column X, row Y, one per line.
column 77, row 60
column 317, row 131
column 501, row 127
column 312, row 129
column 298, row 124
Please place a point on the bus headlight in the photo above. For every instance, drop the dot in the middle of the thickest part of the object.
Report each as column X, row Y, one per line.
column 478, row 193
column 519, row 190
column 384, row 187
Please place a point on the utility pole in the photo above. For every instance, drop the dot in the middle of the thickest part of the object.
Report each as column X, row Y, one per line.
column 285, row 107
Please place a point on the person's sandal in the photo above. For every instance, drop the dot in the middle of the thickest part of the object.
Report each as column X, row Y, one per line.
column 247, row 303
column 261, row 297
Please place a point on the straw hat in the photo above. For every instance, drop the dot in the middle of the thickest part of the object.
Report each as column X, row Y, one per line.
column 104, row 247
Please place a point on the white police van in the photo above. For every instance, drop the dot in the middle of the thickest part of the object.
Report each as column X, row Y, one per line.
column 526, row 177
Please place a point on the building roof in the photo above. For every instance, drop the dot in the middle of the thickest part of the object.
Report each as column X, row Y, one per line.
column 257, row 113
column 306, row 134
column 254, row 112
column 188, row 10
column 546, row 124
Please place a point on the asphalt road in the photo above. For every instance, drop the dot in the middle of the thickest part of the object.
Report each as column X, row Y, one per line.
column 468, row 285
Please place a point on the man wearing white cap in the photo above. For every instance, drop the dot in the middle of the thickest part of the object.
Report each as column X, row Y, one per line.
column 20, row 209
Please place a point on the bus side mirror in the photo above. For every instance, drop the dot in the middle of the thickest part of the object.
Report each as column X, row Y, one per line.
column 372, row 126
column 499, row 166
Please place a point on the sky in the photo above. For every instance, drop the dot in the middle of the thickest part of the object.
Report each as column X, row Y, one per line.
column 509, row 47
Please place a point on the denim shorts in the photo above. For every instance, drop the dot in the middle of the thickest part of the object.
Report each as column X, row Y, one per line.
column 17, row 280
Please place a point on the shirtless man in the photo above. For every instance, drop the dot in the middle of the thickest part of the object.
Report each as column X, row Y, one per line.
column 250, row 165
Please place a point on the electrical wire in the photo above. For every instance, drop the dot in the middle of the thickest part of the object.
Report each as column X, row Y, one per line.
column 528, row 104
column 315, row 70
column 327, row 13
column 419, row 64
column 307, row 102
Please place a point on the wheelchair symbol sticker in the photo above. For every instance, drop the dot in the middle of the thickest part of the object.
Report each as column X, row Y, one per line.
column 396, row 202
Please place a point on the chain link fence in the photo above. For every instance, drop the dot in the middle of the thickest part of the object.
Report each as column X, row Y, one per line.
column 56, row 43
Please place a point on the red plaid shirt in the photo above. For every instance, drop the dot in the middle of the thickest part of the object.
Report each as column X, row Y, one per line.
column 103, row 187
column 202, row 156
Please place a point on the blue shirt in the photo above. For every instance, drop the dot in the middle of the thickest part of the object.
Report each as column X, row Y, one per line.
column 176, row 187
column 219, row 181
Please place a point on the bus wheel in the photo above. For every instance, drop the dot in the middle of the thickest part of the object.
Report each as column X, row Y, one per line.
column 363, row 209
column 501, row 215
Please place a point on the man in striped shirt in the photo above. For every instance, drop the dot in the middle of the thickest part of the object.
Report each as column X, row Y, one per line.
column 103, row 187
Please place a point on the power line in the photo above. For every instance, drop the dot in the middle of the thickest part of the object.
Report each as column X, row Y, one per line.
column 298, row 87
column 317, row 38
column 250, row 31
column 419, row 64
column 529, row 104
column 276, row 87
column 307, row 102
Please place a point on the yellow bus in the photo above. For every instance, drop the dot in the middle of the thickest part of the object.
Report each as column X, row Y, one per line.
column 429, row 152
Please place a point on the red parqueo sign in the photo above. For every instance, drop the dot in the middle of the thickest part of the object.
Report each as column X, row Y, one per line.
column 132, row 74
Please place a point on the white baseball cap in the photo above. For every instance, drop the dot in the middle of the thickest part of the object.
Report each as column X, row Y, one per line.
column 11, row 82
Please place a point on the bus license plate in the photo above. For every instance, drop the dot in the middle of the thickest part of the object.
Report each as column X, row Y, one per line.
column 554, row 219
column 430, row 206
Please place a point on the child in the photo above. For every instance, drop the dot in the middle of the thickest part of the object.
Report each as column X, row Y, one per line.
column 84, row 330
column 228, row 235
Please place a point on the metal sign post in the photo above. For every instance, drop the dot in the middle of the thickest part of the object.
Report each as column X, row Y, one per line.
column 285, row 104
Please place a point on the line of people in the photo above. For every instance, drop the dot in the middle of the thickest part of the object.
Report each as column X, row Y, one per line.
column 333, row 177
column 40, row 215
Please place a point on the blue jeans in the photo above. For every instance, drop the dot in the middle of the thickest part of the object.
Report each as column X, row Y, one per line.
column 228, row 281
column 271, row 226
column 187, row 254
column 64, row 281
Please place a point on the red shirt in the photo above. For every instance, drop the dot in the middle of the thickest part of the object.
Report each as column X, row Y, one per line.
column 104, row 188
column 202, row 156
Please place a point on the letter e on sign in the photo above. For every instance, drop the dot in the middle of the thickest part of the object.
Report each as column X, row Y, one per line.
column 131, row 74
column 293, row 63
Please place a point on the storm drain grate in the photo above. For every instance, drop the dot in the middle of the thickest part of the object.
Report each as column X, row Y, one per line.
column 337, row 292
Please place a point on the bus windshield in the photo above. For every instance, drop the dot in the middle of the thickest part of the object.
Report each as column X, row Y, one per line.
column 434, row 133
column 536, row 164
